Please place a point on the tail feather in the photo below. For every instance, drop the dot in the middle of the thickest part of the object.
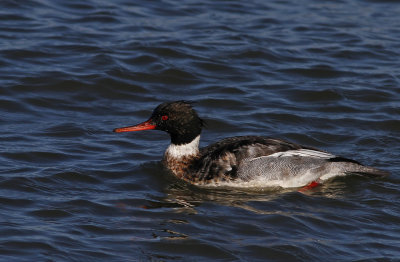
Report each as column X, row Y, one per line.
column 368, row 172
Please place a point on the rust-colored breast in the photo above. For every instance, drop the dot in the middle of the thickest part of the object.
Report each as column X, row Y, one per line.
column 180, row 167
column 194, row 171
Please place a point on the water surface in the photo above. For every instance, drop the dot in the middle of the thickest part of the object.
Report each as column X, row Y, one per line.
column 323, row 74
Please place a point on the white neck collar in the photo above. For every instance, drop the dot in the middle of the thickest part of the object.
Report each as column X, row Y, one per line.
column 189, row 149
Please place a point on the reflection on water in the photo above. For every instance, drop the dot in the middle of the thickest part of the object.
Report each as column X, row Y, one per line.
column 183, row 197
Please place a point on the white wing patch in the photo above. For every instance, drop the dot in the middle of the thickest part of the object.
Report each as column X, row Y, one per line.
column 301, row 152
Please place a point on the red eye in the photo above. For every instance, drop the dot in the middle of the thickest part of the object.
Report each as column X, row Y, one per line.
column 164, row 118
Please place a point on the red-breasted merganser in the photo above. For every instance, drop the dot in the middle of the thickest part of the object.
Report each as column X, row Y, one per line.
column 243, row 161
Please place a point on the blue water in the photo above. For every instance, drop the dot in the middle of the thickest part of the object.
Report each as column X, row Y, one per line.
column 322, row 74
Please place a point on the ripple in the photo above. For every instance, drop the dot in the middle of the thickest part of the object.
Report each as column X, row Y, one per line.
column 15, row 202
column 36, row 156
column 103, row 17
column 90, row 207
column 64, row 130
column 13, row 106
column 50, row 213
column 320, row 96
column 214, row 67
column 72, row 177
column 259, row 55
column 177, row 76
column 24, row 247
column 318, row 71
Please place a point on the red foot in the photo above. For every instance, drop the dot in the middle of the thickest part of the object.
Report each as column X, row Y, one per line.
column 309, row 186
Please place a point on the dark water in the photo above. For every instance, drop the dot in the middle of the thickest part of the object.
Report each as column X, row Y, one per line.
column 321, row 73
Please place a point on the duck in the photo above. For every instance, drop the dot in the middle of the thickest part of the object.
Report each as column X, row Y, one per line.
column 242, row 161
